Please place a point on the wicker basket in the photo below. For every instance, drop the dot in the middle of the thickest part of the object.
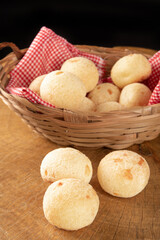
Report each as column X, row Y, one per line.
column 115, row 130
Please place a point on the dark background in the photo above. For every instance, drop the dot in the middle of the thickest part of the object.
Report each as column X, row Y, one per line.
column 101, row 23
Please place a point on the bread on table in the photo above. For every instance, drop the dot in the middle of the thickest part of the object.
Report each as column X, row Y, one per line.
column 123, row 173
column 70, row 204
column 66, row 163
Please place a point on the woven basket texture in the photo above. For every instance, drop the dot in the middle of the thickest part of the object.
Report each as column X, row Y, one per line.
column 115, row 130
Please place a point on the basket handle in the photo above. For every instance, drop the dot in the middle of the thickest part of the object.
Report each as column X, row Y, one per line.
column 19, row 54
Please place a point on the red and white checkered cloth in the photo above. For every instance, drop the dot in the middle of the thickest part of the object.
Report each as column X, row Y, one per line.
column 47, row 53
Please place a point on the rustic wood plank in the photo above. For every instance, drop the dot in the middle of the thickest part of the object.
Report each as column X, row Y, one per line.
column 22, row 190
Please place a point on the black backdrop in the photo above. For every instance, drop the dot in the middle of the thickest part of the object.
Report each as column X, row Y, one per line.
column 101, row 23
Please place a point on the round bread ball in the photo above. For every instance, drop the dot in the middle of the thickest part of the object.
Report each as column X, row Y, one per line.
column 135, row 94
column 66, row 163
column 36, row 83
column 70, row 204
column 63, row 89
column 109, row 106
column 87, row 105
column 123, row 173
column 105, row 92
column 85, row 69
column 130, row 69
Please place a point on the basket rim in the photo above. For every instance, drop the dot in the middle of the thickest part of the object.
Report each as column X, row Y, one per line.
column 36, row 106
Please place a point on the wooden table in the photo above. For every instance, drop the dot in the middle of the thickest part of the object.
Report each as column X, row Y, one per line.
column 22, row 190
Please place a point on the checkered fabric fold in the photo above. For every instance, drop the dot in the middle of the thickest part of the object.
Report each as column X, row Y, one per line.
column 154, row 80
column 47, row 53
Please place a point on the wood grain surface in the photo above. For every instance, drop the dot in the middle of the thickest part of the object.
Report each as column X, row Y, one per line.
column 22, row 190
